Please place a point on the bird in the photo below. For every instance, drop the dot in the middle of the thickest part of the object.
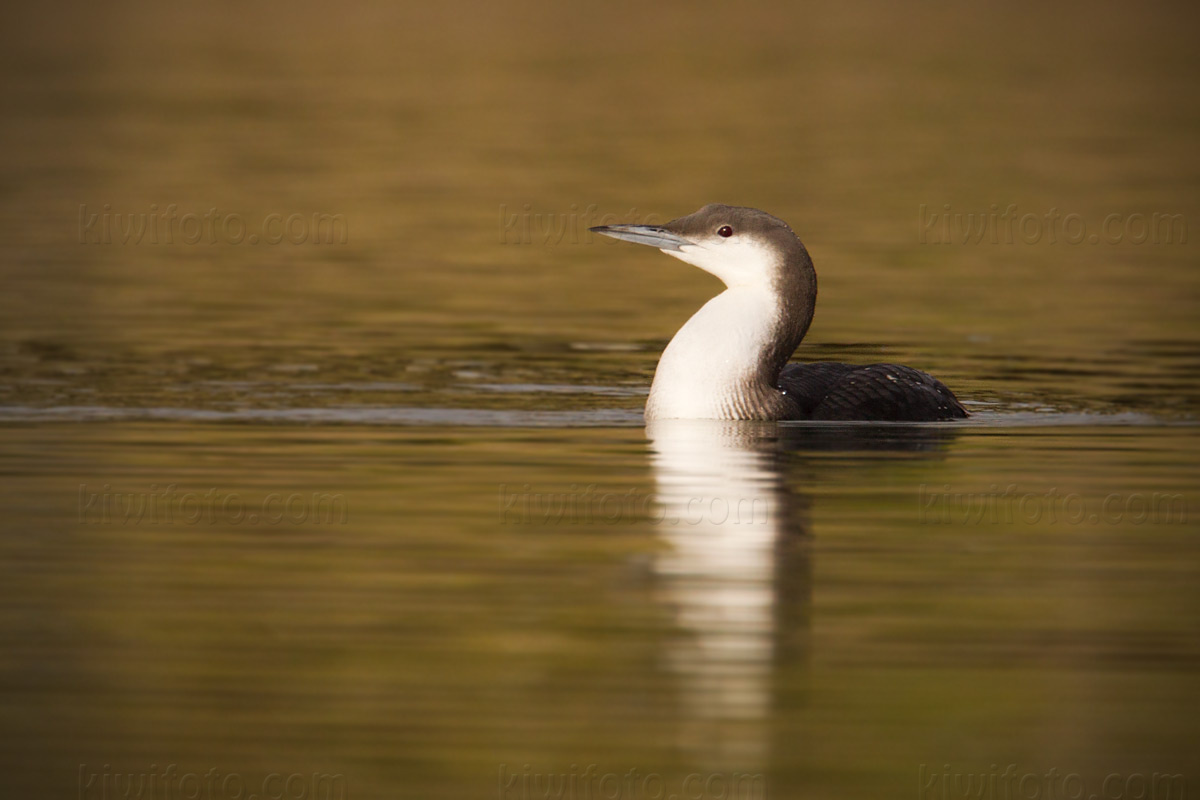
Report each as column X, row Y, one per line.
column 730, row 360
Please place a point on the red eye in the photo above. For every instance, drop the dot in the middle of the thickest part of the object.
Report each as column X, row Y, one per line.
column 725, row 231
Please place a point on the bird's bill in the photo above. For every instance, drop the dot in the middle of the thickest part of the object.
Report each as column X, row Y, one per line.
column 652, row 235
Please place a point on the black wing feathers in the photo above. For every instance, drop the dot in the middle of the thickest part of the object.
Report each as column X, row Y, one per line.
column 827, row 390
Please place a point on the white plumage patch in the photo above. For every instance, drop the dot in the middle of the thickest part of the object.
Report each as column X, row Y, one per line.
column 706, row 367
column 737, row 260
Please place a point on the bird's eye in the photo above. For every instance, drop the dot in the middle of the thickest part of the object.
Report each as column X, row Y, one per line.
column 725, row 231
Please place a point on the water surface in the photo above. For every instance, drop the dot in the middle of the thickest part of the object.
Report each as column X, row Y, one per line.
column 384, row 508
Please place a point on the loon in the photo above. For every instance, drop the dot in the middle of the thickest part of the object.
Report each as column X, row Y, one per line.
column 730, row 360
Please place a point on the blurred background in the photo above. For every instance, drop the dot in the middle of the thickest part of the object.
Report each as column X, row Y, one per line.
column 293, row 248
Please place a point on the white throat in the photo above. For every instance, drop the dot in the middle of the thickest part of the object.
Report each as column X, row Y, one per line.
column 712, row 369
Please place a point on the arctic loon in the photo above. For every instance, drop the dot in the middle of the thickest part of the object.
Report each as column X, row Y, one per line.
column 730, row 360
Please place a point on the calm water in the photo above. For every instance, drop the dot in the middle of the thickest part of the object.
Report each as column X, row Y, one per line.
column 370, row 512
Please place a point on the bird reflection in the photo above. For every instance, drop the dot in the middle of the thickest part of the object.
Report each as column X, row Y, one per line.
column 736, row 571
